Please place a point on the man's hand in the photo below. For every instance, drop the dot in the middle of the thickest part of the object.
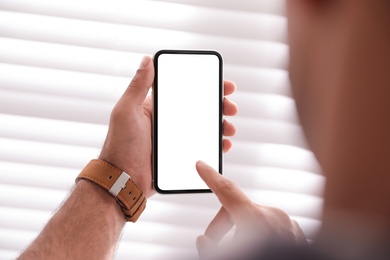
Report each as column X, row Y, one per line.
column 128, row 145
column 254, row 223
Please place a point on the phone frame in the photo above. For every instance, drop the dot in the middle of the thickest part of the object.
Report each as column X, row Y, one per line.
column 155, row 117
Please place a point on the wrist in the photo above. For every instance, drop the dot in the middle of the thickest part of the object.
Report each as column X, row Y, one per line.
column 119, row 184
column 95, row 195
column 136, row 172
column 114, row 159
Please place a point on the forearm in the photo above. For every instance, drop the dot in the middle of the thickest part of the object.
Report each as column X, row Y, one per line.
column 87, row 226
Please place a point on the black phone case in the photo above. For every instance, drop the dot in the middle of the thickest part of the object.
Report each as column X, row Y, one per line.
column 155, row 117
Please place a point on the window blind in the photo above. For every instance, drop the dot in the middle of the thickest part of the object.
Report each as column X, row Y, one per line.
column 63, row 66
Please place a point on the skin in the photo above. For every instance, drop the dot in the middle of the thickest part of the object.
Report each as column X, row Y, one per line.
column 254, row 223
column 339, row 72
column 87, row 226
column 340, row 59
column 89, row 223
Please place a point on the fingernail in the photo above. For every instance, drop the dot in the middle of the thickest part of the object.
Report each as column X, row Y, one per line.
column 201, row 163
column 144, row 62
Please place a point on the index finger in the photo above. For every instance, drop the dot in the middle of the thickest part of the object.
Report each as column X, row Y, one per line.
column 230, row 196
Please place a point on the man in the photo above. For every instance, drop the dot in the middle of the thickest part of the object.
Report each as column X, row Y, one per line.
column 340, row 58
column 339, row 69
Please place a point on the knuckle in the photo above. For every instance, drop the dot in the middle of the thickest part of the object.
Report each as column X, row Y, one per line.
column 116, row 112
column 135, row 79
column 138, row 77
column 279, row 214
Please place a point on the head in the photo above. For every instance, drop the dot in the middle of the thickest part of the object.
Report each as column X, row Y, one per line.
column 340, row 75
column 333, row 44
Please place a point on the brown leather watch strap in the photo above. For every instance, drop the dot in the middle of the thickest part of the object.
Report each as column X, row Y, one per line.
column 129, row 196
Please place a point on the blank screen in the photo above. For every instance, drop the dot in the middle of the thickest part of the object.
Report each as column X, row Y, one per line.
column 188, row 118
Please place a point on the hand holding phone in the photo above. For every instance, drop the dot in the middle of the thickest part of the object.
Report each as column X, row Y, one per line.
column 187, row 117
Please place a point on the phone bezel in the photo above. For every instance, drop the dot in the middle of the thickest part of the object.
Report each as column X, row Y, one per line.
column 155, row 117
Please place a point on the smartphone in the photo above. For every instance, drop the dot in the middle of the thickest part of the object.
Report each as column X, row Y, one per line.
column 187, row 118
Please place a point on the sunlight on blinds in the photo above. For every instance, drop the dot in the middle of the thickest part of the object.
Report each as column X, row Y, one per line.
column 64, row 64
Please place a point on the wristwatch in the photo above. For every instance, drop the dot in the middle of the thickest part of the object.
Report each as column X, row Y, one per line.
column 129, row 196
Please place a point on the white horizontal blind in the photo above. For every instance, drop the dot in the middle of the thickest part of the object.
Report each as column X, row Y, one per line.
column 63, row 66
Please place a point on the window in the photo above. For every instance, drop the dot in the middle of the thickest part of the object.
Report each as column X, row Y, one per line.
column 64, row 64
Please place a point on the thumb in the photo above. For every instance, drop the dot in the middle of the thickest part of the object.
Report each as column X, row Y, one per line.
column 141, row 83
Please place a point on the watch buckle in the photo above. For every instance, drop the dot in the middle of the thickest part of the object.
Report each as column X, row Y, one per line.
column 119, row 184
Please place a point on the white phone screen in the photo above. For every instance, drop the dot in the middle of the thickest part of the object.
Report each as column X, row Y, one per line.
column 187, row 118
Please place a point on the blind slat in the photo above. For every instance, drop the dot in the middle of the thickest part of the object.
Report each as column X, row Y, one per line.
column 55, row 107
column 8, row 254
column 296, row 204
column 259, row 6
column 62, row 83
column 268, row 131
column 68, row 57
column 255, row 79
column 132, row 250
column 266, row 106
column 16, row 239
column 276, row 179
column 138, row 39
column 272, row 155
column 31, row 198
column 31, row 175
column 60, row 155
column 162, row 15
column 52, row 131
